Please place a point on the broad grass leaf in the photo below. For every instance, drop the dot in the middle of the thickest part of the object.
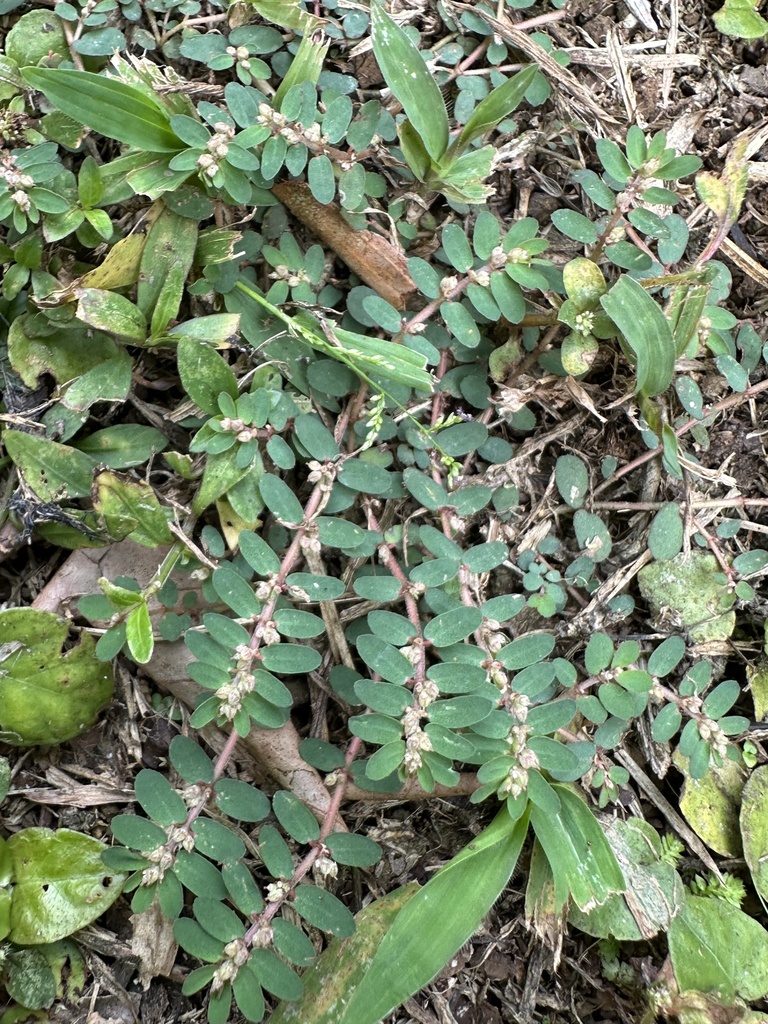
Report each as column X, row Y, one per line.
column 496, row 106
column 582, row 862
column 107, row 311
column 435, row 922
column 754, row 827
column 110, row 107
column 123, row 445
column 646, row 331
column 305, row 66
column 411, row 81
column 654, row 894
column 344, row 964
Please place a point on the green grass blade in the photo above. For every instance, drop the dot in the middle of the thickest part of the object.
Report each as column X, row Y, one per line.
column 437, row 921
column 497, row 105
column 110, row 107
column 411, row 82
column 647, row 333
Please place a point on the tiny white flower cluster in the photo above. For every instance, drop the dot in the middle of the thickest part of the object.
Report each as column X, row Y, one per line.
column 448, row 286
column 265, row 589
column 321, row 473
column 416, row 740
column 518, row 255
column 241, row 55
column 516, row 781
column 584, row 322
column 294, row 134
column 481, row 277
column 711, row 733
column 239, row 427
column 263, row 936
column 324, row 868
column 217, row 148
column 22, row 200
column 293, row 278
column 242, row 682
column 237, row 955
column 160, row 861
column 277, row 891
column 12, row 176
column 498, row 258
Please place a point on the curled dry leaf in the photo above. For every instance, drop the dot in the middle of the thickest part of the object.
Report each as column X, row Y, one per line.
column 371, row 257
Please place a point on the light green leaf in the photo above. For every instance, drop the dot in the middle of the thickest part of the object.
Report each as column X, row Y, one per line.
column 715, row 947
column 411, row 82
column 739, row 18
column 121, row 501
column 204, row 374
column 108, row 106
column 754, row 828
column 112, row 313
column 123, row 445
column 60, row 884
column 138, row 634
column 54, row 471
column 47, row 695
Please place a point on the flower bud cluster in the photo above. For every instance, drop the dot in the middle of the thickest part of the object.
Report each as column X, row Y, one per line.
column 325, row 868
column 711, row 733
column 416, row 740
column 498, row 258
column 322, row 473
column 518, row 255
column 231, row 694
column 481, row 277
column 241, row 55
column 277, row 891
column 22, row 200
column 584, row 322
column 293, row 278
column 237, row 955
column 525, row 759
column 12, row 176
column 217, row 148
column 265, row 590
column 160, row 861
column 294, row 134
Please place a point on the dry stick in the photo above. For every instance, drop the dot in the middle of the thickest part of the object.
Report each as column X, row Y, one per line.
column 721, row 406
column 647, row 785
column 737, row 501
